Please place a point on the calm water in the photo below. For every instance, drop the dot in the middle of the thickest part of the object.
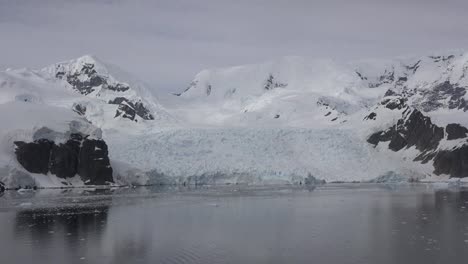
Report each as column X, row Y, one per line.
column 329, row 224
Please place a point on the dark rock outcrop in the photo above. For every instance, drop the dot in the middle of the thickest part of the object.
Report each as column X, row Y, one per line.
column 441, row 94
column 414, row 129
column 34, row 157
column 86, row 86
column 370, row 116
column 93, row 163
column 79, row 109
column 87, row 80
column 2, row 187
column 456, row 131
column 93, row 79
column 452, row 162
column 128, row 109
column 271, row 83
column 191, row 85
column 64, row 157
column 362, row 77
column 120, row 87
column 390, row 93
column 394, row 103
column 86, row 157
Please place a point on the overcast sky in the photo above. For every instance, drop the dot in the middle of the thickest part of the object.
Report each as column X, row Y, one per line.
column 167, row 42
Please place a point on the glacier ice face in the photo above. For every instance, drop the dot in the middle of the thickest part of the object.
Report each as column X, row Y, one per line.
column 253, row 155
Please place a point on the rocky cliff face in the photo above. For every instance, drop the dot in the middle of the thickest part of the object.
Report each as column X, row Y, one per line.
column 88, row 78
column 452, row 162
column 81, row 156
column 414, row 129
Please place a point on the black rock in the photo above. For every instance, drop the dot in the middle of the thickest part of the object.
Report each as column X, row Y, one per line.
column 401, row 80
column 414, row 67
column 370, row 116
column 456, row 131
column 93, row 163
column 419, row 131
column 86, row 157
column 452, row 162
column 438, row 96
column 34, row 156
column 394, row 103
column 126, row 111
column 118, row 87
column 130, row 110
column 414, row 129
column 64, row 158
column 79, row 109
column 271, row 83
column 378, row 137
column 2, row 187
column 362, row 77
column 88, row 86
column 390, row 93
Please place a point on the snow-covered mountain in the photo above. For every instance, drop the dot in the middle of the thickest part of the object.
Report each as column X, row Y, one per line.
column 90, row 88
column 82, row 96
column 287, row 120
column 300, row 91
column 366, row 97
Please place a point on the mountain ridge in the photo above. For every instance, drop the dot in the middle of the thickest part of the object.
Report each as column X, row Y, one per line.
column 314, row 111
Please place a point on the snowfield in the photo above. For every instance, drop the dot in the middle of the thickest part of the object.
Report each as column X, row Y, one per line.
column 285, row 121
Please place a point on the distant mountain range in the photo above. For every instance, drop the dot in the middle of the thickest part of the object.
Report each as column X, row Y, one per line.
column 285, row 121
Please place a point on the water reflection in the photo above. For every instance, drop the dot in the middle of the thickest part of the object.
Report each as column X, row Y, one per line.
column 329, row 224
column 420, row 227
column 62, row 233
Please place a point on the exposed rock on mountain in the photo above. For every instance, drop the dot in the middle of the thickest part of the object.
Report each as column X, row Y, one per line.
column 79, row 109
column 100, row 85
column 34, row 157
column 444, row 94
column 64, row 159
column 456, row 131
column 394, row 103
column 414, row 129
column 128, row 109
column 452, row 162
column 87, row 80
column 271, row 83
column 79, row 155
column 93, row 162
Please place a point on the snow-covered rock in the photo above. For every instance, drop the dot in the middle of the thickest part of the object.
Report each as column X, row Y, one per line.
column 37, row 146
column 51, row 105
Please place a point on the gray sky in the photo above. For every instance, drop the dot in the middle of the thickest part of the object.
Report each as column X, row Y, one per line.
column 166, row 42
